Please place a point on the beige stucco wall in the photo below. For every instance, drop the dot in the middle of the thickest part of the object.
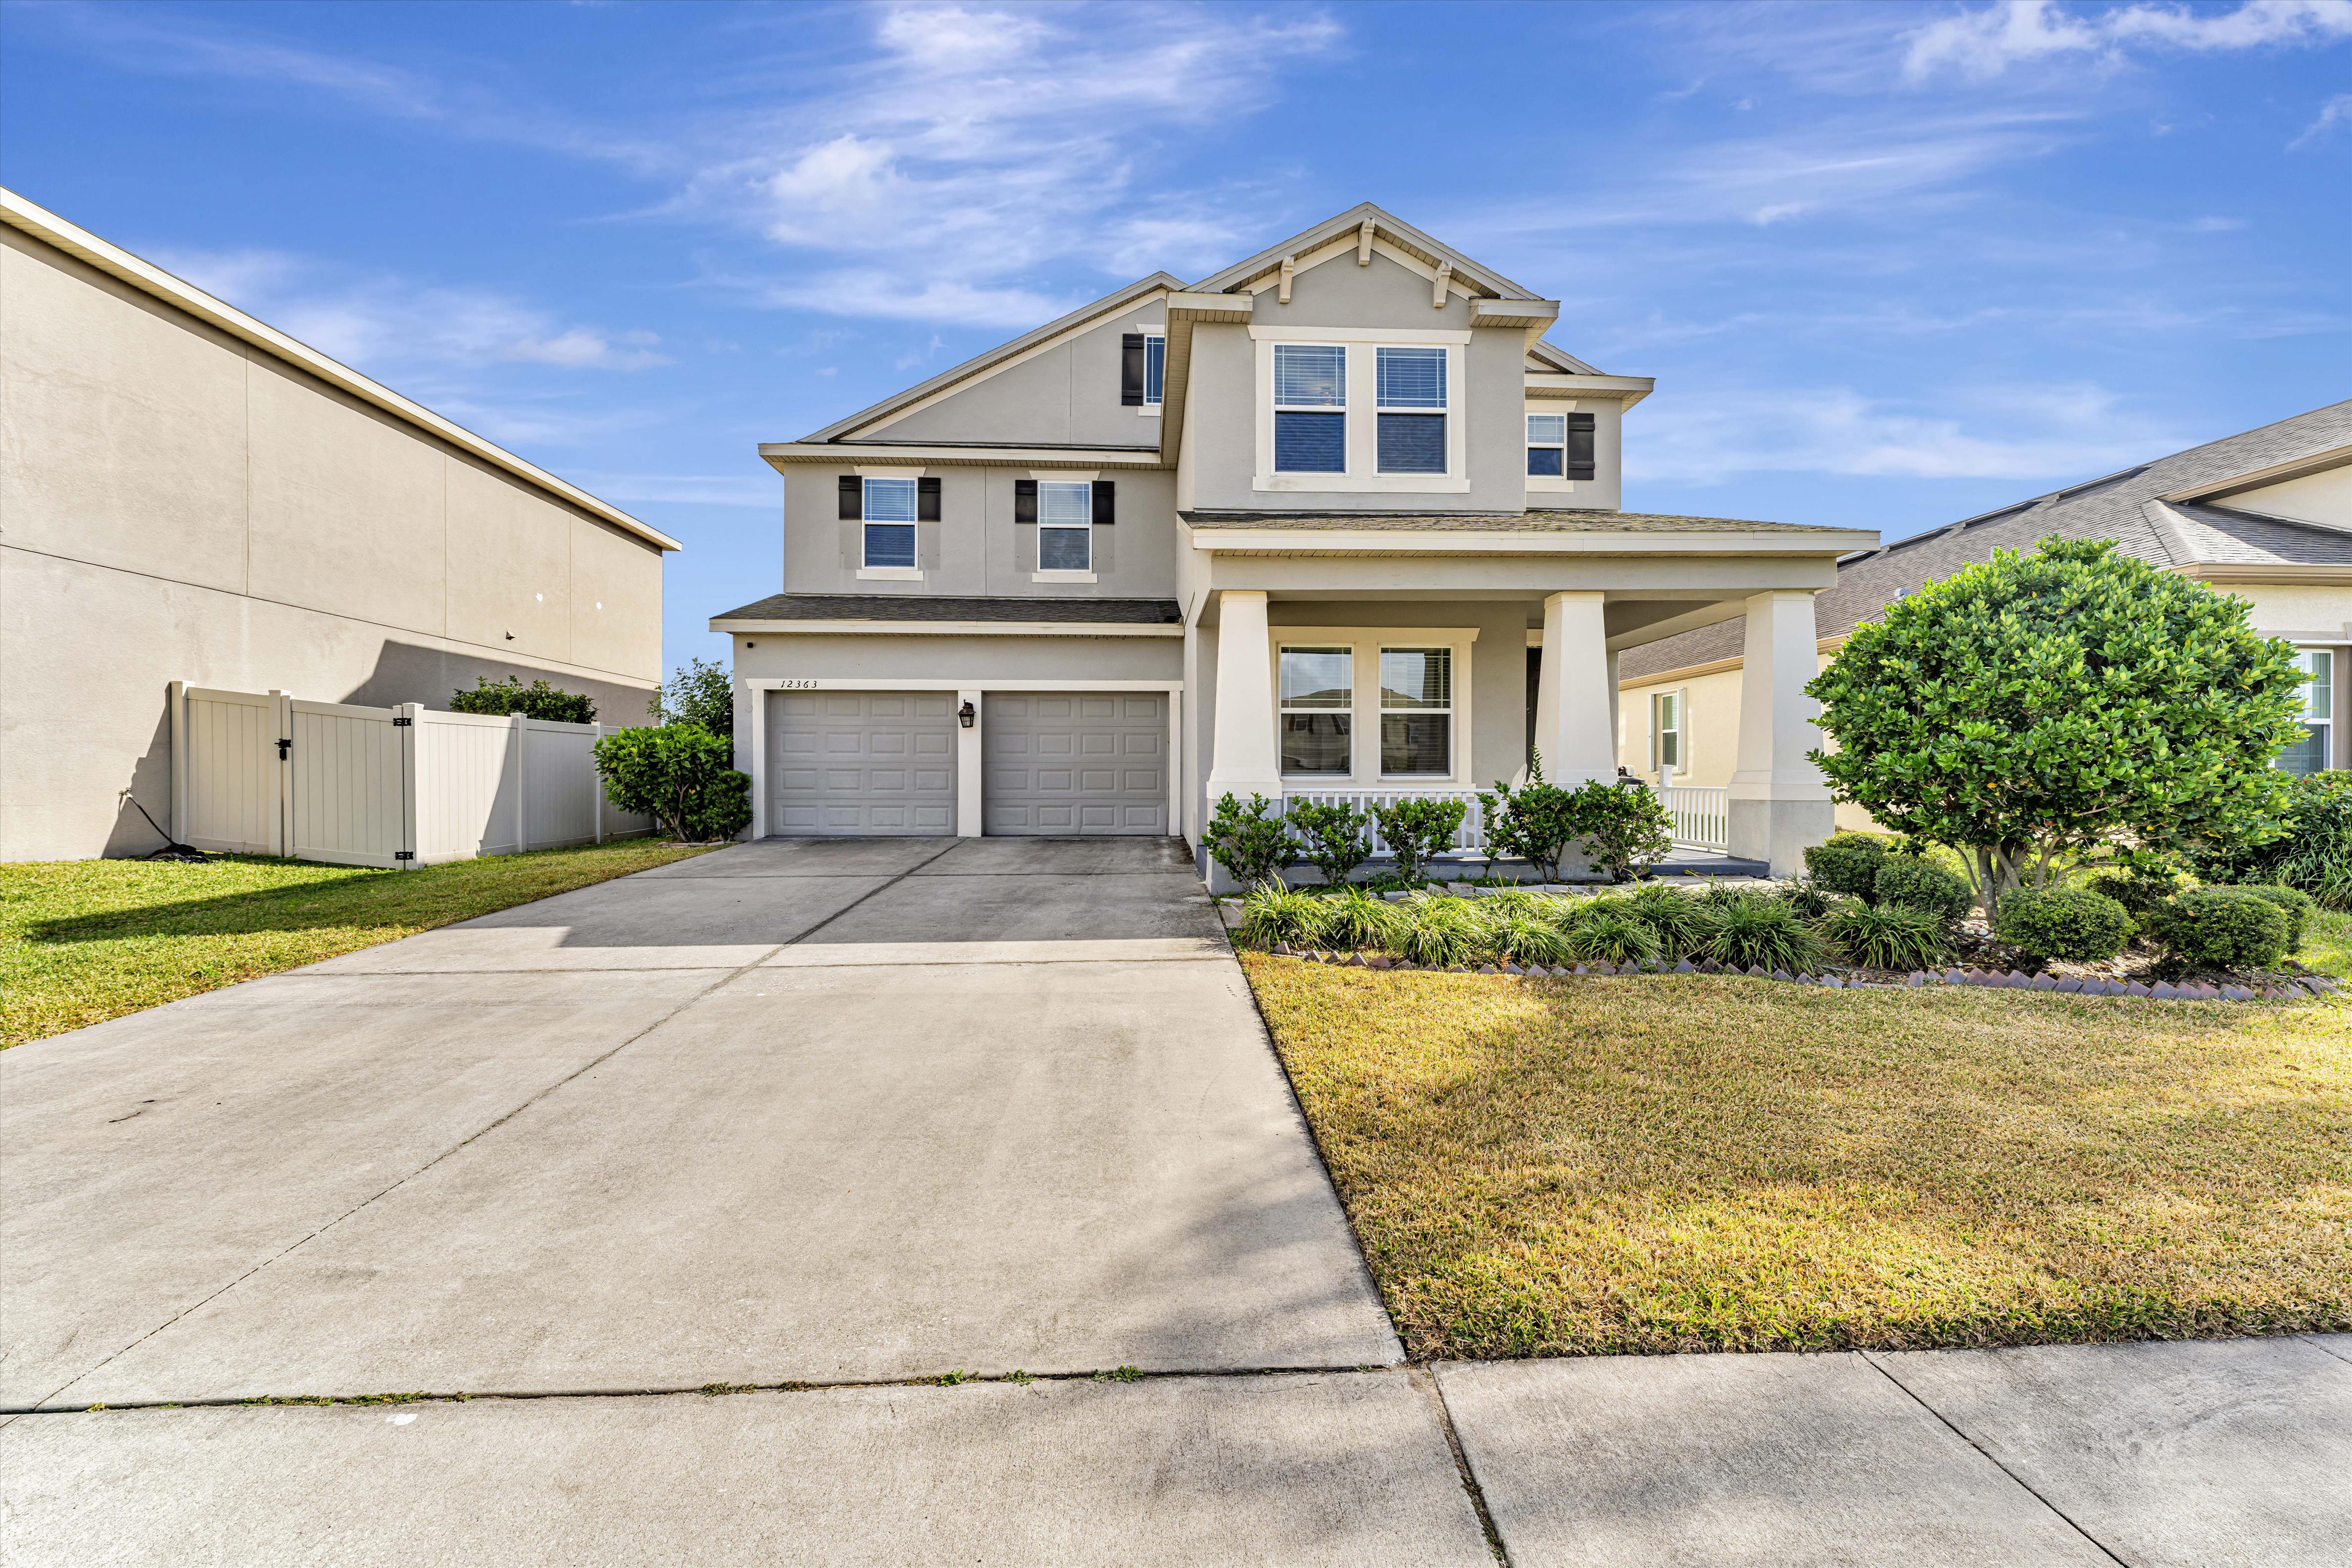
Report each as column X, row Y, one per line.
column 2324, row 497
column 176, row 505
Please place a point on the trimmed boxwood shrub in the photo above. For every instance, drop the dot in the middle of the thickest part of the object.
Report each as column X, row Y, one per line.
column 2222, row 928
column 2298, row 904
column 2073, row 923
column 1848, row 864
column 1921, row 884
column 2139, row 891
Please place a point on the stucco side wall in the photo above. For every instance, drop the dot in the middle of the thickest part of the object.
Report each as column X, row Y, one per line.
column 1710, row 727
column 2304, row 611
column 976, row 549
column 2324, row 497
column 88, row 653
column 269, row 531
column 1066, row 392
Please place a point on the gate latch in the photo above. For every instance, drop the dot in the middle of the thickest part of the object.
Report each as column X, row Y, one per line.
column 403, row 854
column 284, row 747
column 403, row 722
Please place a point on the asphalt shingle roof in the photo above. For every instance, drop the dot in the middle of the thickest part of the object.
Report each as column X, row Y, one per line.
column 924, row 608
column 2115, row 507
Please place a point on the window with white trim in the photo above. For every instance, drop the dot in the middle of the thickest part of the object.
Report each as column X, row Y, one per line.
column 1066, row 517
column 890, row 523
column 1310, row 408
column 1155, row 367
column 1666, row 731
column 1410, row 392
column 1560, row 446
column 1416, row 711
column 1317, row 709
column 2310, row 753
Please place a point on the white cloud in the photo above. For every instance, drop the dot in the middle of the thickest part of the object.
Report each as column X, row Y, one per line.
column 2019, row 433
column 2336, row 112
column 1982, row 43
column 382, row 324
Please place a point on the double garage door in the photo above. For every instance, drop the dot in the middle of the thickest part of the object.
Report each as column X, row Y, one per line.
column 1054, row 765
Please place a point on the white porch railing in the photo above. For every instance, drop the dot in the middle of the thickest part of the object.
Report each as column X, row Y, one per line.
column 1701, row 814
column 1471, row 835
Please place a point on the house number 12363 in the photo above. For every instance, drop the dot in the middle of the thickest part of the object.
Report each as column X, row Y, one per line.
column 796, row 685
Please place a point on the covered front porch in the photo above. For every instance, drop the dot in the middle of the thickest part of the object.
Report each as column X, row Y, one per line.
column 1338, row 664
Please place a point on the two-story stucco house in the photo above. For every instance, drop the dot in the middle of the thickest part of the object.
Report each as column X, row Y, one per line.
column 1335, row 519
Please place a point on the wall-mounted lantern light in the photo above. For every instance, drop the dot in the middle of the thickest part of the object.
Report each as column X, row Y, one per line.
column 965, row 716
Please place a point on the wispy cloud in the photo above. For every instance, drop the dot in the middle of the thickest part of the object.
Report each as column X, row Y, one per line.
column 2335, row 114
column 2019, row 433
column 1983, row 42
column 384, row 323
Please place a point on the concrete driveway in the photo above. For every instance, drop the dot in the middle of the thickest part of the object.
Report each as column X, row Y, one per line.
column 870, row 1116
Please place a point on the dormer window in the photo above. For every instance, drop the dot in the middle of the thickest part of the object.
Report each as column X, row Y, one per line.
column 1310, row 408
column 1412, row 396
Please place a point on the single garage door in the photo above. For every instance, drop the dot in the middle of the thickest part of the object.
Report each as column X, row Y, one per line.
column 849, row 764
column 1064, row 763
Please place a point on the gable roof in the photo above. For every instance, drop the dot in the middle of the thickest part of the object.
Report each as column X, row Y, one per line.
column 46, row 226
column 2128, row 507
column 972, row 369
column 1471, row 274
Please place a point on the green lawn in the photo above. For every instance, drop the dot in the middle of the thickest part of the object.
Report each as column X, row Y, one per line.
column 1669, row 1163
column 84, row 941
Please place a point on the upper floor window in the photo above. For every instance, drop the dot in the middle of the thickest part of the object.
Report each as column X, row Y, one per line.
column 1142, row 368
column 1559, row 446
column 889, row 508
column 1412, row 406
column 1310, row 403
column 1066, row 517
column 2310, row 754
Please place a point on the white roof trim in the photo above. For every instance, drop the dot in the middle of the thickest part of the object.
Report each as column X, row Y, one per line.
column 118, row 263
column 1440, row 542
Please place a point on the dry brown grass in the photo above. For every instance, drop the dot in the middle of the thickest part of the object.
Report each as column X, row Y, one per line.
column 1540, row 1168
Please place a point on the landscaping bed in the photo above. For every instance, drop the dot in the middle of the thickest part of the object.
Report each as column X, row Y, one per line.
column 84, row 941
column 1671, row 1163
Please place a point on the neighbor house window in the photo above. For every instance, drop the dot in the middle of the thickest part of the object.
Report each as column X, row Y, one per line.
column 1142, row 366
column 1066, row 515
column 889, row 514
column 1416, row 711
column 1412, row 396
column 1318, row 695
column 1559, row 446
column 2310, row 754
column 1310, row 403
column 1666, row 731
column 1155, row 367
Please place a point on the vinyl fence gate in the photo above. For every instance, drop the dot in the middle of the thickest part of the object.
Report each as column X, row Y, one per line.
column 266, row 773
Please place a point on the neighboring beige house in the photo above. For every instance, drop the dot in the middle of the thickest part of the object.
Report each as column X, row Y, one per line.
column 2266, row 515
column 1334, row 522
column 187, row 494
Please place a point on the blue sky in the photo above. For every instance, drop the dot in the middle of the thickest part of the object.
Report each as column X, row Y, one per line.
column 1890, row 265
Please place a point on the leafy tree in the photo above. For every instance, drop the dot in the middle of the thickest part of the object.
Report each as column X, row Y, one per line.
column 1335, row 842
column 697, row 692
column 2037, row 707
column 1251, row 841
column 1537, row 822
column 537, row 700
column 1625, row 828
column 681, row 775
column 1417, row 827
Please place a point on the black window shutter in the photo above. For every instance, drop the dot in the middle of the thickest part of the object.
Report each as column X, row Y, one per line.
column 1106, row 503
column 1579, row 446
column 1024, row 500
column 1130, row 369
column 927, row 500
column 852, row 497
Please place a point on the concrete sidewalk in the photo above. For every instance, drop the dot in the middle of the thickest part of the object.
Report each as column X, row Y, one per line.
column 848, row 1121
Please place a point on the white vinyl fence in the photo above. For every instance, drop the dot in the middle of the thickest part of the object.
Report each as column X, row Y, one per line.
column 1701, row 814
column 266, row 773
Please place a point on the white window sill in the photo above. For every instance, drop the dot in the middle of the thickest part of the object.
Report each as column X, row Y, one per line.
column 1364, row 484
column 1061, row 576
column 1553, row 484
column 889, row 573
column 1149, row 410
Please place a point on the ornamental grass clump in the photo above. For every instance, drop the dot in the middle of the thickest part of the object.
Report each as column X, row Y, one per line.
column 1355, row 918
column 1275, row 916
column 1610, row 933
column 1808, row 898
column 1525, row 937
column 1679, row 920
column 1442, row 930
column 1886, row 936
column 1763, row 933
column 2074, row 924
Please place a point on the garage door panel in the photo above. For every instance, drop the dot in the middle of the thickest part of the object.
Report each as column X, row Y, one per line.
column 845, row 764
column 1076, row 763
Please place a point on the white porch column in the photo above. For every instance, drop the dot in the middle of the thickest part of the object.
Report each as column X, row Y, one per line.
column 969, row 786
column 1779, row 805
column 1247, row 762
column 1576, row 696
